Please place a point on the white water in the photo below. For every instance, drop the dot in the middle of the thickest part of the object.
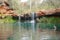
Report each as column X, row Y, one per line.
column 33, row 22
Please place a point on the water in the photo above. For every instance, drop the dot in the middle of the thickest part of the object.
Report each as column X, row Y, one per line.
column 42, row 31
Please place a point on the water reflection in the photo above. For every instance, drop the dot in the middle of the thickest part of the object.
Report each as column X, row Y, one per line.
column 48, row 35
column 24, row 31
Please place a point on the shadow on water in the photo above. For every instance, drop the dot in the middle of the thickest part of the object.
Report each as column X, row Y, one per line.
column 24, row 31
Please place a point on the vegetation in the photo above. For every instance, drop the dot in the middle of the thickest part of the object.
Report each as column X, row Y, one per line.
column 35, row 6
column 7, row 20
column 50, row 20
column 21, row 7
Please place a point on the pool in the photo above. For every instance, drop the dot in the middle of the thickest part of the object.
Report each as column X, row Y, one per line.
column 26, row 31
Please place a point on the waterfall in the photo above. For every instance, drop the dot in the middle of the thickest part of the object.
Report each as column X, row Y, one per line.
column 33, row 21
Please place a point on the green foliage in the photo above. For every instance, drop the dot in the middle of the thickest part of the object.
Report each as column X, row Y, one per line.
column 8, row 19
column 50, row 20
